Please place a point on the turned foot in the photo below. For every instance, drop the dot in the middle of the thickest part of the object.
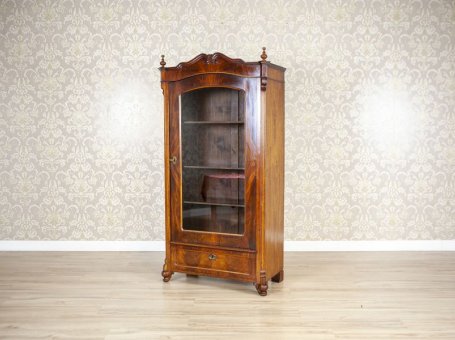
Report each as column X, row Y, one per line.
column 278, row 277
column 262, row 289
column 262, row 286
column 166, row 276
column 166, row 273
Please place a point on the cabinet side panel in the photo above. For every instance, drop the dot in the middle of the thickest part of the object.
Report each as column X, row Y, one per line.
column 274, row 178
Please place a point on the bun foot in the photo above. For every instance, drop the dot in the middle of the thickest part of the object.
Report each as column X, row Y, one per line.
column 262, row 286
column 262, row 289
column 166, row 273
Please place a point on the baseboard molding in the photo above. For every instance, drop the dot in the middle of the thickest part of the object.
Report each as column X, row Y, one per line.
column 81, row 245
column 384, row 245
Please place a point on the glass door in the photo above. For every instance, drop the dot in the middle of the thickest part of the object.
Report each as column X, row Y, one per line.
column 212, row 128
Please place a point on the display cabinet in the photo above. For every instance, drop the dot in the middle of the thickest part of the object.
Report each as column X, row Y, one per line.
column 224, row 169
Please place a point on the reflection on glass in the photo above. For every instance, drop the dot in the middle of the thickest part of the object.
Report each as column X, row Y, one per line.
column 212, row 134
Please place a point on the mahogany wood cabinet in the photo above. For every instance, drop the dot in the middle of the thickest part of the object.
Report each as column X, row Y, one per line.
column 224, row 168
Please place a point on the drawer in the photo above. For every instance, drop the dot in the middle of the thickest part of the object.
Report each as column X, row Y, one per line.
column 213, row 262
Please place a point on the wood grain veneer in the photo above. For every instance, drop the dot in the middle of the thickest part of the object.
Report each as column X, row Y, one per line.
column 250, row 94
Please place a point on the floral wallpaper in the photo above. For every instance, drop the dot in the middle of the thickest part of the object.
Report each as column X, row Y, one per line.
column 370, row 112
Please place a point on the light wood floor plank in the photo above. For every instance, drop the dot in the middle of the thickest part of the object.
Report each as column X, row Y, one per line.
column 109, row 295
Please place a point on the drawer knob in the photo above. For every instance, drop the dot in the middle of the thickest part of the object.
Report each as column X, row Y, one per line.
column 212, row 257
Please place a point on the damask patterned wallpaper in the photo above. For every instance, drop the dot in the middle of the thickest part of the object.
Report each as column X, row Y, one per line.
column 370, row 112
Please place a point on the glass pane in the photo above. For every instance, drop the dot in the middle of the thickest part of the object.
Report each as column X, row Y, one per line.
column 213, row 138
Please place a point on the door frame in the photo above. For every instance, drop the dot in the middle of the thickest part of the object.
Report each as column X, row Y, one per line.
column 251, row 88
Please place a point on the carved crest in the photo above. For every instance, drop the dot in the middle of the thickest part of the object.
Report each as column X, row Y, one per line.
column 209, row 59
column 220, row 64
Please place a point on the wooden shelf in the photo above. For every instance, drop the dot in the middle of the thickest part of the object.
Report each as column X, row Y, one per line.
column 212, row 167
column 211, row 122
column 221, row 204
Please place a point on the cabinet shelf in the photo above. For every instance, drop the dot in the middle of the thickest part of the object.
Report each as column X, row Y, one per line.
column 205, row 167
column 211, row 122
column 221, row 204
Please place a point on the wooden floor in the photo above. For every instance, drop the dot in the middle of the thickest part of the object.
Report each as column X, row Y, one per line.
column 323, row 296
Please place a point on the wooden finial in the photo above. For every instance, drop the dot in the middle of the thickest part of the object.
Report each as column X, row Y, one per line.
column 263, row 55
column 162, row 62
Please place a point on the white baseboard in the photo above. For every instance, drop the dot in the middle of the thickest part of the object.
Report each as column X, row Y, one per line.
column 384, row 245
column 81, row 245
